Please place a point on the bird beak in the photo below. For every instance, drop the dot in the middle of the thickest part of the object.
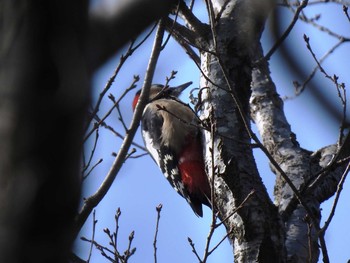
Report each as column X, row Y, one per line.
column 176, row 91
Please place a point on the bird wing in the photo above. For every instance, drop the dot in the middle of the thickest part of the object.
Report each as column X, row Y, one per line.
column 164, row 156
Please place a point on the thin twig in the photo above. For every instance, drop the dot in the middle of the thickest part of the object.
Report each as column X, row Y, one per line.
column 92, row 168
column 345, row 10
column 212, row 195
column 311, row 21
column 301, row 88
column 94, row 222
column 133, row 150
column 123, row 59
column 220, row 242
column 168, row 79
column 116, row 219
column 301, row 6
column 121, row 119
column 322, row 231
column 101, row 248
column 336, row 199
column 324, row 172
column 309, row 230
column 130, row 251
column 339, row 86
column 158, row 209
column 194, row 249
column 92, row 152
column 108, row 127
column 126, row 91
column 170, row 31
column 251, row 193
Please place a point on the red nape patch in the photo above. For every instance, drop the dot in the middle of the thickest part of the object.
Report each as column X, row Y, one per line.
column 134, row 102
column 191, row 167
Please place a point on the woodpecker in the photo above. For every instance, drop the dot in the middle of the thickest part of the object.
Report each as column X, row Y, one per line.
column 172, row 137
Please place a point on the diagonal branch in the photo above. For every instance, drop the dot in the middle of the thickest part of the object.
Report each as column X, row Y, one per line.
column 94, row 200
column 192, row 21
column 175, row 30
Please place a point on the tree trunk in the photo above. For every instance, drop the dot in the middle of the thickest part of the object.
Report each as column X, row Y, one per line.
column 236, row 87
column 256, row 228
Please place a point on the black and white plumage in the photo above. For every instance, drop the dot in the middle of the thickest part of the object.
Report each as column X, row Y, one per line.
column 172, row 137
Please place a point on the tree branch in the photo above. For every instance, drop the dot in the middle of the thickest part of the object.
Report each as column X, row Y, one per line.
column 93, row 200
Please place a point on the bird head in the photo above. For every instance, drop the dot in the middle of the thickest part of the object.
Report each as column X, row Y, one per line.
column 158, row 91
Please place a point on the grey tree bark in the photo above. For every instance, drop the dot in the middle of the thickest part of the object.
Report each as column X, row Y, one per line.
column 236, row 87
column 227, row 70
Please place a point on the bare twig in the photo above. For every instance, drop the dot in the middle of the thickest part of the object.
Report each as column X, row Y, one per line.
column 214, row 215
column 168, row 79
column 130, row 251
column 309, row 230
column 345, row 10
column 158, row 209
column 123, row 59
column 86, row 166
column 301, row 6
column 92, row 168
column 94, row 222
column 133, row 150
column 343, row 98
column 170, row 31
column 252, row 192
column 220, row 242
column 113, row 255
column 116, row 219
column 120, row 118
column 336, row 199
column 108, row 127
column 101, row 248
column 340, row 87
column 194, row 249
column 324, row 172
column 138, row 155
column 126, row 91
column 301, row 88
column 213, row 227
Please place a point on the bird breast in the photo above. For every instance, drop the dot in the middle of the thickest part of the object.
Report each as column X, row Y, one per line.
column 179, row 122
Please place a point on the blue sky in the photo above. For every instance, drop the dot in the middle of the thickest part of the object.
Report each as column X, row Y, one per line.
column 140, row 186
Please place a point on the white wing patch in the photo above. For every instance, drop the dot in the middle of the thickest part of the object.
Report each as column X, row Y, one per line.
column 150, row 147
